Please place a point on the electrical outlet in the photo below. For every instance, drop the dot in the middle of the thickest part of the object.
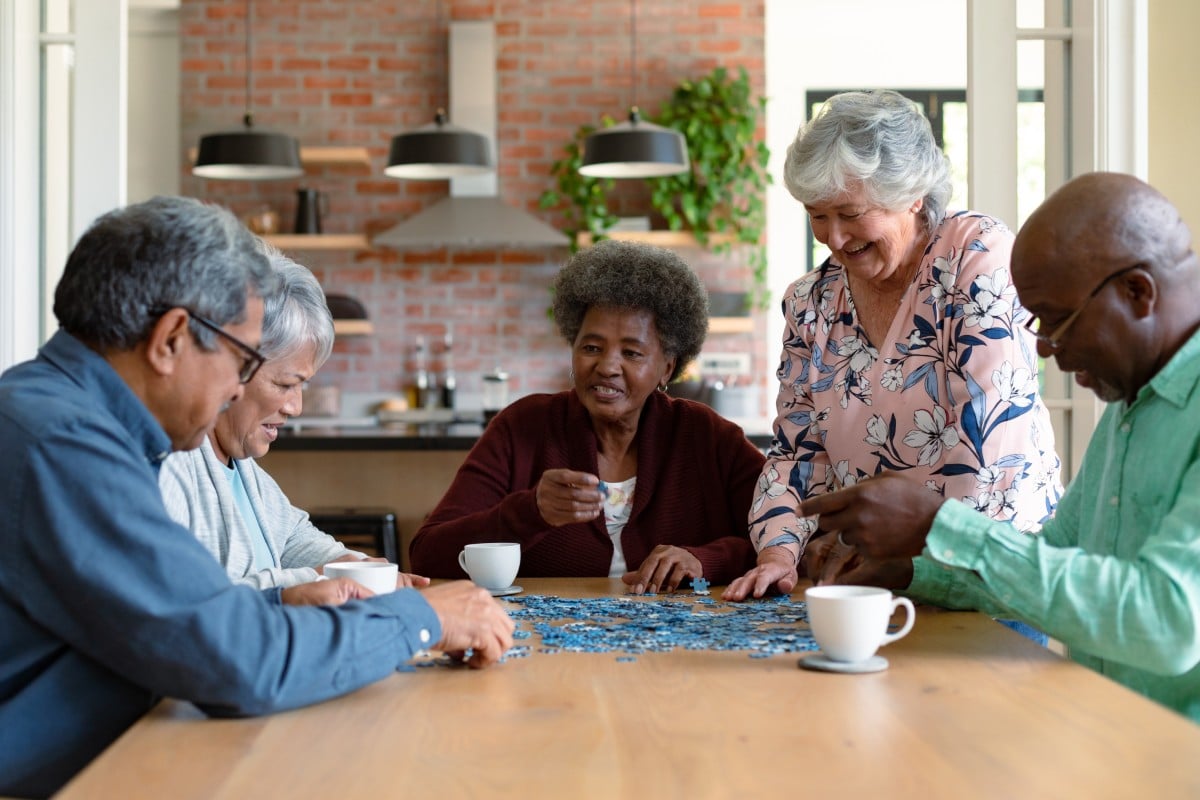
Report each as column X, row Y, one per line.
column 724, row 364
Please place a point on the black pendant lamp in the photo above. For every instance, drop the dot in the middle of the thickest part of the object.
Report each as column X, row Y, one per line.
column 438, row 151
column 248, row 155
column 634, row 149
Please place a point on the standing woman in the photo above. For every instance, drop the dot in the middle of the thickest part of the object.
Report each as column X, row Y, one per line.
column 677, row 477
column 905, row 351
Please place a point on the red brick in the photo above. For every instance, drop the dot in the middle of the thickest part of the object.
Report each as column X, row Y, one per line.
column 728, row 10
column 349, row 63
column 350, row 99
column 301, row 64
column 202, row 65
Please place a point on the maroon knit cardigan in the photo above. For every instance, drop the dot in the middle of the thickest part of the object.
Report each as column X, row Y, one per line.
column 696, row 474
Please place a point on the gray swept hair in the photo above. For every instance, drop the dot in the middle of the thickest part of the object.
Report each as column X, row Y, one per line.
column 879, row 138
column 631, row 275
column 136, row 261
column 297, row 315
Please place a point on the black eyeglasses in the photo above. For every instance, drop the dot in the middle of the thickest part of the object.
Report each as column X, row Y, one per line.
column 252, row 359
column 1053, row 340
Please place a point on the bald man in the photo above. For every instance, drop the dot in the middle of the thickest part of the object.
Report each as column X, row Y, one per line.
column 1106, row 269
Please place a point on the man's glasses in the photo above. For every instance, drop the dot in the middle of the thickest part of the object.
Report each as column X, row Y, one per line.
column 1053, row 340
column 251, row 358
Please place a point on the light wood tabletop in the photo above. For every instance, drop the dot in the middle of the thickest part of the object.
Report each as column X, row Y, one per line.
column 967, row 708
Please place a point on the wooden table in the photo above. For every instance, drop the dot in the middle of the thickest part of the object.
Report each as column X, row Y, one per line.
column 967, row 709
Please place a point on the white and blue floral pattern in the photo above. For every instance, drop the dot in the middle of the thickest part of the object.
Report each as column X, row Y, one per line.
column 951, row 396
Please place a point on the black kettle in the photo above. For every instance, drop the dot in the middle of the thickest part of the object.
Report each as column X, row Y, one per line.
column 310, row 205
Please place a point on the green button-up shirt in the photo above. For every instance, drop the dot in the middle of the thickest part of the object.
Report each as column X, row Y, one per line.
column 1115, row 575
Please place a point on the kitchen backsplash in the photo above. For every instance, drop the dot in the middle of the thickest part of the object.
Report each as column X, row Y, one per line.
column 357, row 72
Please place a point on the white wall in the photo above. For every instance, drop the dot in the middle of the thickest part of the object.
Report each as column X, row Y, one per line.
column 154, row 149
column 850, row 44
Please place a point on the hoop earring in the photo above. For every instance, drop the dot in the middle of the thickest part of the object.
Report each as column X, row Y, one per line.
column 662, row 387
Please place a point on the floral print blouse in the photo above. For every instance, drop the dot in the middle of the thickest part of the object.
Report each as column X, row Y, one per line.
column 949, row 397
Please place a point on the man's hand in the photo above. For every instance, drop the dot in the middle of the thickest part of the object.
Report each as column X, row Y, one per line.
column 891, row 573
column 471, row 620
column 325, row 593
column 887, row 516
column 565, row 496
column 665, row 568
column 825, row 558
column 776, row 569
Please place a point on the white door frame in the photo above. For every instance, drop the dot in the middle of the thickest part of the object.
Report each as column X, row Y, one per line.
column 1096, row 112
column 93, row 183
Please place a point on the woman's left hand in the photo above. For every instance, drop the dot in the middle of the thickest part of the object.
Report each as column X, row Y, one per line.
column 566, row 497
column 665, row 568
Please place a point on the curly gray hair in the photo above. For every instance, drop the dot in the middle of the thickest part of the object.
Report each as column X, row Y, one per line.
column 879, row 138
column 617, row 274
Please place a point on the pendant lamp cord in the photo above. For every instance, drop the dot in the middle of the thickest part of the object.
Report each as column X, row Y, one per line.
column 633, row 107
column 248, row 118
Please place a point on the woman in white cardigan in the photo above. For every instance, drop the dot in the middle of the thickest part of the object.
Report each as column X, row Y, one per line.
column 217, row 491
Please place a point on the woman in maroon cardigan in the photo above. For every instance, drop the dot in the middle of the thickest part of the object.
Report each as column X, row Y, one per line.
column 613, row 477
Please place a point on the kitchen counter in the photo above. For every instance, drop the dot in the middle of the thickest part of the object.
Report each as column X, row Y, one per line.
column 302, row 435
column 389, row 436
column 342, row 464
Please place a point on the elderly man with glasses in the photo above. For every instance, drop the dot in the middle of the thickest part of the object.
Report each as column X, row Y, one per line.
column 106, row 604
column 1106, row 267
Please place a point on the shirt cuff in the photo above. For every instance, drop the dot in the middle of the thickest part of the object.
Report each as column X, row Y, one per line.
column 414, row 612
column 956, row 537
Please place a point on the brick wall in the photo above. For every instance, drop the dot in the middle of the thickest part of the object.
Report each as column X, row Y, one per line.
column 356, row 72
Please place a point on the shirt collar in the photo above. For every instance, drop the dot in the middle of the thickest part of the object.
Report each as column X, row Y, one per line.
column 1179, row 377
column 92, row 373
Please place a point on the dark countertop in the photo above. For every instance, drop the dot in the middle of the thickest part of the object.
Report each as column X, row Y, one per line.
column 400, row 436
column 390, row 436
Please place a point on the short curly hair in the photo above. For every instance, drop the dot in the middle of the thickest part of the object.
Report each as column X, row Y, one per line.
column 617, row 274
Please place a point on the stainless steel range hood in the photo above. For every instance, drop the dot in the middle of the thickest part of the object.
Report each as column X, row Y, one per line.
column 473, row 216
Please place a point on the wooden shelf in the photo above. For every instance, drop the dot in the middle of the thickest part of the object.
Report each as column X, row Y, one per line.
column 353, row 327
column 319, row 241
column 659, row 238
column 335, row 156
column 731, row 325
column 323, row 156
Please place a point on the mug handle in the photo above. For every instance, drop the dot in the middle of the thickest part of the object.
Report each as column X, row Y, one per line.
column 462, row 560
column 910, row 616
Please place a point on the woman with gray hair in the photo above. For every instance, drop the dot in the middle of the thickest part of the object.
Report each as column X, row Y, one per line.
column 613, row 477
column 217, row 490
column 905, row 351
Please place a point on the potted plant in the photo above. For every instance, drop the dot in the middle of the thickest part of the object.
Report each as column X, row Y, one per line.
column 583, row 200
column 721, row 199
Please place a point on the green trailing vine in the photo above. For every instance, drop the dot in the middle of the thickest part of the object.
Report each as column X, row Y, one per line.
column 721, row 199
column 583, row 200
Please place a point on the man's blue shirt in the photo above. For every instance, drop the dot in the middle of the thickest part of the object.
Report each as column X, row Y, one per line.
column 107, row 605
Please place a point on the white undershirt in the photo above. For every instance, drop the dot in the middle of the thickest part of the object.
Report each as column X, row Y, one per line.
column 617, row 507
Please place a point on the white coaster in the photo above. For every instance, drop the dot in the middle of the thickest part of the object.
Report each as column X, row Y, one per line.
column 819, row 661
column 514, row 589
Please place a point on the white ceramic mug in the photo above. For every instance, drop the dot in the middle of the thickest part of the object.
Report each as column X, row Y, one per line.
column 378, row 576
column 850, row 622
column 492, row 565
